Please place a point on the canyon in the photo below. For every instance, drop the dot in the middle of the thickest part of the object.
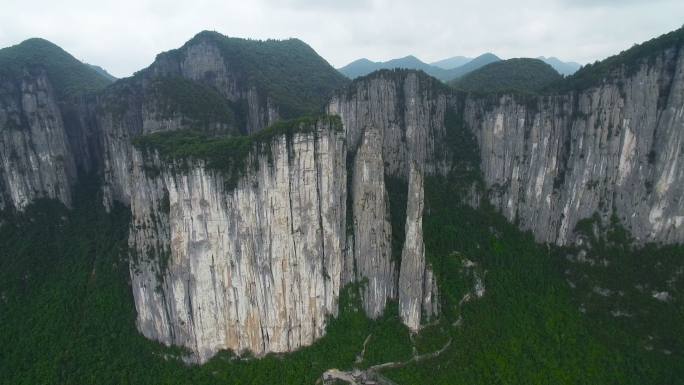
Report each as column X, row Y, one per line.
column 254, row 259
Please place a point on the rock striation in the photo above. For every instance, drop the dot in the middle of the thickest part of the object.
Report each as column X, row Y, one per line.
column 613, row 149
column 36, row 158
column 255, row 268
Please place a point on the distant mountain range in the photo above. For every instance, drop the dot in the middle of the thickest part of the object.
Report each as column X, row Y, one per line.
column 563, row 68
column 446, row 69
column 452, row 62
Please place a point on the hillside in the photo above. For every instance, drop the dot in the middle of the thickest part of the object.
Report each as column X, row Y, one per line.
column 518, row 75
column 624, row 63
column 289, row 71
column 472, row 65
column 563, row 68
column 68, row 75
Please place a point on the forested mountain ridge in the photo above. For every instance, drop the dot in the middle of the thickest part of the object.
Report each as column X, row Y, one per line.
column 512, row 75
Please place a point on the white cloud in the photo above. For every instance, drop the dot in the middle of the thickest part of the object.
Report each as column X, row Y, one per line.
column 125, row 35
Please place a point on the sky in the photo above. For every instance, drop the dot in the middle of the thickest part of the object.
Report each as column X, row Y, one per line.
column 124, row 36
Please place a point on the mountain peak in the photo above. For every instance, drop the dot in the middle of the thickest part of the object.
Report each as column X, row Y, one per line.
column 67, row 74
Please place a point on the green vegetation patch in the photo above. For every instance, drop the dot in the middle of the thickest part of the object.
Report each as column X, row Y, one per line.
column 197, row 102
column 227, row 154
column 289, row 71
column 520, row 75
column 630, row 60
column 68, row 75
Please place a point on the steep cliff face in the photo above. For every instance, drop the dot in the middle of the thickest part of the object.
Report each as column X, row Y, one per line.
column 417, row 285
column 253, row 258
column 43, row 92
column 36, row 160
column 393, row 122
column 253, row 268
column 615, row 148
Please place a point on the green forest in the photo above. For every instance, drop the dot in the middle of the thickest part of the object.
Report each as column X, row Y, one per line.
column 68, row 315
column 68, row 75
column 512, row 75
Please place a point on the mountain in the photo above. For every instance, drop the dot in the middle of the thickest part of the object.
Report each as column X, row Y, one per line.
column 472, row 65
column 563, row 68
column 103, row 72
column 287, row 72
column 452, row 62
column 364, row 67
column 409, row 233
column 512, row 75
column 68, row 75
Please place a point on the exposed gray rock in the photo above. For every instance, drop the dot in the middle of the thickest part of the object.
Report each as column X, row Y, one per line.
column 36, row 160
column 616, row 147
column 256, row 268
column 416, row 283
column 372, row 229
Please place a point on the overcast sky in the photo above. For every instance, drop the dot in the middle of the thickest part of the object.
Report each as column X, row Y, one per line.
column 125, row 35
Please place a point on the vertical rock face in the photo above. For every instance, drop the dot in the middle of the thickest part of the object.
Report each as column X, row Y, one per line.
column 255, row 268
column 393, row 122
column 36, row 160
column 372, row 229
column 615, row 148
column 417, row 288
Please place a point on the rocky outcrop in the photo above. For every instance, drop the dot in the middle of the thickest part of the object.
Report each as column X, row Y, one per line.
column 394, row 122
column 254, row 268
column 616, row 148
column 202, row 61
column 36, row 159
column 372, row 231
column 417, row 286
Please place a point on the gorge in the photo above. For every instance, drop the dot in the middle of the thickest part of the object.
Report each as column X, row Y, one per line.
column 248, row 221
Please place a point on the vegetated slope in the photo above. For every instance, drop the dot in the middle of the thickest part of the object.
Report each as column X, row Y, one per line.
column 472, row 65
column 518, row 75
column 289, row 71
column 102, row 72
column 563, row 68
column 68, row 75
column 624, row 63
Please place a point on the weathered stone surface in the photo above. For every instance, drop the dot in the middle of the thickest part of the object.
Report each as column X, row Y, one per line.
column 393, row 122
column 415, row 278
column 257, row 268
column 617, row 147
column 372, row 229
column 36, row 160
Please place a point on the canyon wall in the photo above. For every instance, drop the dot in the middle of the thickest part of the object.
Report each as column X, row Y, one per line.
column 614, row 149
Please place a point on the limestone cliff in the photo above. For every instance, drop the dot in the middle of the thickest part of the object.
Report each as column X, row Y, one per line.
column 615, row 148
column 256, row 267
column 394, row 122
column 36, row 160
column 254, row 257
